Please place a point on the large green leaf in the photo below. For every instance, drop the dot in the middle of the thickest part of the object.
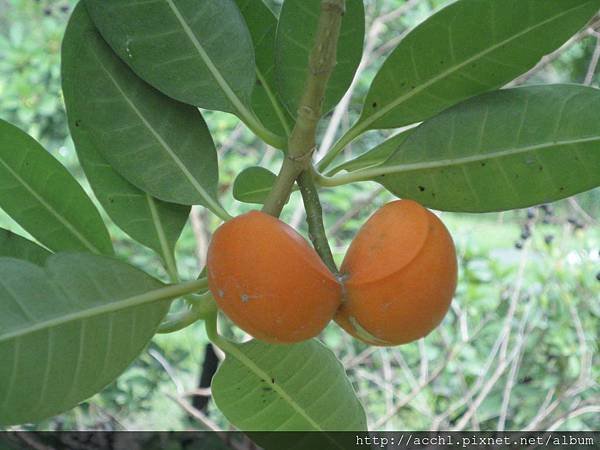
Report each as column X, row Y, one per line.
column 300, row 387
column 43, row 197
column 152, row 222
column 502, row 150
column 467, row 48
column 253, row 185
column 68, row 330
column 262, row 24
column 14, row 246
column 161, row 146
column 198, row 52
column 296, row 32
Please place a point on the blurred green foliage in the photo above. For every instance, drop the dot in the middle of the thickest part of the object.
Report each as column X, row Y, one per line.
column 538, row 295
column 30, row 67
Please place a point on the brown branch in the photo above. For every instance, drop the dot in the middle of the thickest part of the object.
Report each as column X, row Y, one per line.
column 302, row 140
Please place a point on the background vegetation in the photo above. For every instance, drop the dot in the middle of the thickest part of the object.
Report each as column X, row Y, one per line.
column 521, row 346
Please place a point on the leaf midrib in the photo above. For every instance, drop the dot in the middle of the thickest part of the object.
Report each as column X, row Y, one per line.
column 234, row 351
column 223, row 84
column 365, row 124
column 159, row 228
column 277, row 107
column 170, row 152
column 155, row 295
column 68, row 225
column 253, row 192
column 274, row 102
column 478, row 157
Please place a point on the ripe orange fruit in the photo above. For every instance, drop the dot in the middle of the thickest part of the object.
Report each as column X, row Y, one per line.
column 400, row 275
column 269, row 281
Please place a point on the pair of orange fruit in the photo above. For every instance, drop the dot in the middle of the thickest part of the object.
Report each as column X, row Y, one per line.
column 395, row 283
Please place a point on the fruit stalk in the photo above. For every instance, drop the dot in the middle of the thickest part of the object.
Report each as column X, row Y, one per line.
column 314, row 218
column 302, row 140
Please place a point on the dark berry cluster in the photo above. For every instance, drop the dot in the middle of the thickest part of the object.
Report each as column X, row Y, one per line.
column 54, row 8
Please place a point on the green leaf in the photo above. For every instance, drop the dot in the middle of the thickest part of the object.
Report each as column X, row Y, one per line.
column 467, row 48
column 253, row 185
column 68, row 330
column 197, row 52
column 161, row 146
column 375, row 156
column 43, row 197
column 14, row 246
column 153, row 223
column 502, row 150
column 300, row 387
column 262, row 24
column 296, row 32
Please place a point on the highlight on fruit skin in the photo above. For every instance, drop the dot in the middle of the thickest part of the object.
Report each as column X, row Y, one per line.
column 400, row 276
column 269, row 281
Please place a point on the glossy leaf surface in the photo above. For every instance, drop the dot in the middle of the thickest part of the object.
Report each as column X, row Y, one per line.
column 14, row 246
column 196, row 52
column 253, row 185
column 159, row 145
column 503, row 150
column 67, row 330
column 44, row 198
column 151, row 222
column 300, row 387
column 468, row 47
column 262, row 24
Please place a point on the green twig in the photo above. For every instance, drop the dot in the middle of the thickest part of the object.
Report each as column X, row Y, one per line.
column 260, row 130
column 356, row 176
column 340, row 145
column 314, row 218
column 213, row 333
column 167, row 253
column 202, row 308
column 218, row 210
column 302, row 140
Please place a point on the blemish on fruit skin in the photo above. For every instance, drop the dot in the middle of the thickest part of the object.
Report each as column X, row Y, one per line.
column 245, row 298
column 221, row 293
column 342, row 277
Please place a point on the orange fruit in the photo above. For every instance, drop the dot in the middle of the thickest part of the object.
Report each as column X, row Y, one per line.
column 269, row 281
column 399, row 276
